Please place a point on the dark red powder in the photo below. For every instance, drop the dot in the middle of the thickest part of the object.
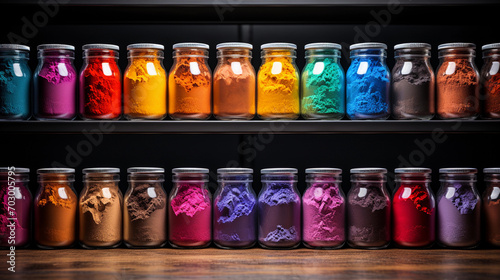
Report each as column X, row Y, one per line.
column 413, row 216
column 100, row 89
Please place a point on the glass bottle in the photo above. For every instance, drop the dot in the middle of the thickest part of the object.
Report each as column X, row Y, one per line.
column 100, row 83
column 368, row 209
column 368, row 82
column 144, row 208
column 413, row 82
column 100, row 208
column 145, row 83
column 323, row 209
column 491, row 206
column 15, row 77
column 323, row 82
column 55, row 81
column 234, row 82
column 457, row 81
column 190, row 209
column 235, row 210
column 413, row 208
column 190, row 82
column 279, row 209
column 278, row 82
column 458, row 209
column 56, row 207
column 15, row 207
column 490, row 81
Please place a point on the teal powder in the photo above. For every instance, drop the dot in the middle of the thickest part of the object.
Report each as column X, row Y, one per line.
column 323, row 93
column 14, row 88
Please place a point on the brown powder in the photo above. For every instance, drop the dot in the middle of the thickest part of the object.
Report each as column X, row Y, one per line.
column 458, row 91
column 55, row 215
column 101, row 215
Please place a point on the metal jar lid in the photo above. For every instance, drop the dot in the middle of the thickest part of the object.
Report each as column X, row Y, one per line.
column 278, row 46
column 145, row 46
column 100, row 46
column 456, row 45
column 322, row 46
column 324, row 170
column 234, row 45
column 368, row 170
column 412, row 46
column 191, row 45
column 55, row 47
column 371, row 45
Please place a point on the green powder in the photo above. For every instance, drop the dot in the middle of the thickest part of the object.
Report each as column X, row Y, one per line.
column 323, row 89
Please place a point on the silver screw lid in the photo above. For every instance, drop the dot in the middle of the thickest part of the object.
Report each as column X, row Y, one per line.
column 100, row 46
column 191, row 45
column 145, row 46
column 412, row 46
column 55, row 47
column 234, row 45
column 456, row 45
column 322, row 46
column 278, row 46
column 370, row 45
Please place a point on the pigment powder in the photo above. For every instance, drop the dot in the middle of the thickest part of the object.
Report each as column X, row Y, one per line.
column 323, row 91
column 100, row 208
column 190, row 82
column 145, row 215
column 190, row 216
column 278, row 83
column 15, row 76
column 368, row 82
column 234, row 82
column 490, row 81
column 457, row 82
column 145, row 83
column 100, row 83
column 55, row 211
column 55, row 83
column 235, row 214
column 458, row 220
column 20, row 211
column 323, row 209
column 491, row 206
column 413, row 82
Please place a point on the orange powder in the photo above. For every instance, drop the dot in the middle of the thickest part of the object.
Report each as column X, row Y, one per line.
column 189, row 86
column 278, row 87
column 234, row 89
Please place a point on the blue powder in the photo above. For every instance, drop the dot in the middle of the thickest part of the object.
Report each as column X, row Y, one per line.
column 464, row 199
column 368, row 93
column 279, row 193
column 282, row 234
column 235, row 201
column 15, row 78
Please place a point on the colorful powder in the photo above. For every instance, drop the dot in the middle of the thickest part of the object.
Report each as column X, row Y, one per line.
column 142, row 205
column 323, row 92
column 278, row 193
column 491, row 90
column 235, row 202
column 368, row 86
column 15, row 78
column 21, row 211
column 282, row 234
column 278, row 87
column 323, row 215
column 145, row 88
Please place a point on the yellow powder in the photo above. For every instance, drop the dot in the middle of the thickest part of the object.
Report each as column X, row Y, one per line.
column 145, row 89
column 278, row 88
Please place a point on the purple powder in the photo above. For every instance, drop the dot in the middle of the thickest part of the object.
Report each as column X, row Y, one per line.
column 281, row 234
column 278, row 193
column 464, row 199
column 55, row 89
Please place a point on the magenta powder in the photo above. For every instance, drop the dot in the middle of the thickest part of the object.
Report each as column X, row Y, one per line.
column 190, row 216
column 323, row 211
column 22, row 212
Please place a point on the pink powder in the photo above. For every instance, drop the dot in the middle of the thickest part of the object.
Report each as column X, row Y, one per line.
column 190, row 217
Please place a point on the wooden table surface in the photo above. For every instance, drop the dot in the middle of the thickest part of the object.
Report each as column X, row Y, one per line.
column 254, row 263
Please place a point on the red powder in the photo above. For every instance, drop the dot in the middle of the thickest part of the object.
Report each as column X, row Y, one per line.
column 413, row 216
column 492, row 96
column 100, row 89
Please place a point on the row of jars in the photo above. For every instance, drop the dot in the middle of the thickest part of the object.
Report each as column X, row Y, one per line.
column 368, row 90
column 279, row 217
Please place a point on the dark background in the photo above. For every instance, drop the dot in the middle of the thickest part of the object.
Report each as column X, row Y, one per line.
column 123, row 25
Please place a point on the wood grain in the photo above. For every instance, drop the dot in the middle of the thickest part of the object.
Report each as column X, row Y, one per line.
column 254, row 263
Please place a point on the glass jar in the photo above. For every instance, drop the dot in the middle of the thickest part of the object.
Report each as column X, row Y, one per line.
column 144, row 208
column 190, row 209
column 100, row 208
column 323, row 209
column 279, row 209
column 368, row 82
column 15, row 77
column 413, row 82
column 100, row 83
column 235, row 212
column 322, row 83
column 491, row 206
column 234, row 82
column 457, row 82
column 55, row 82
column 490, row 81
column 368, row 209
column 413, row 208
column 278, row 82
column 56, row 207
column 458, row 210
column 190, row 83
column 15, row 207
column 145, row 83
